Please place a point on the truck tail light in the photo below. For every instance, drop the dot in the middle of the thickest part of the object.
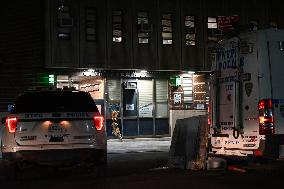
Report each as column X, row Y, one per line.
column 99, row 122
column 11, row 123
column 265, row 117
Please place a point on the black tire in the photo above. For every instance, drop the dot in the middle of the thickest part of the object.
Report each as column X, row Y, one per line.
column 9, row 167
column 11, row 170
column 101, row 170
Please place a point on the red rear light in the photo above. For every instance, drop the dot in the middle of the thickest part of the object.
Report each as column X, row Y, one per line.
column 11, row 123
column 99, row 122
column 209, row 119
column 257, row 153
column 265, row 104
column 265, row 117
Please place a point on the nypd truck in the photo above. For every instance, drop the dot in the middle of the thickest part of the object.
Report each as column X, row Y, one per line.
column 246, row 109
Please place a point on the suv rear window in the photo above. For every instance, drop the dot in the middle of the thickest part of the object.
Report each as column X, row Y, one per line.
column 54, row 101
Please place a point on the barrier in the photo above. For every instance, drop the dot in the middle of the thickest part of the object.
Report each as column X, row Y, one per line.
column 189, row 143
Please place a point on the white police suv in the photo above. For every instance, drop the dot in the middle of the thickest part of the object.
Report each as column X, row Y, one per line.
column 59, row 126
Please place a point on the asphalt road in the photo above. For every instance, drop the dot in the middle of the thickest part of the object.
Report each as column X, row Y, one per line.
column 145, row 169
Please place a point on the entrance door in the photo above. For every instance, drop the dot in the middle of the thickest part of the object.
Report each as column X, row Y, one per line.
column 130, row 113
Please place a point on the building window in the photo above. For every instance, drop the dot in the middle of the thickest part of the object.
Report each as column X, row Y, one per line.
column 117, row 23
column 213, row 32
column 190, row 32
column 91, row 19
column 64, row 21
column 143, row 27
column 167, row 29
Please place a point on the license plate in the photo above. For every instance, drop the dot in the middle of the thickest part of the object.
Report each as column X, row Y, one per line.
column 56, row 139
column 56, row 129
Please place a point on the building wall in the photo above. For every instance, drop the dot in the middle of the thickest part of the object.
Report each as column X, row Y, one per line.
column 103, row 53
column 21, row 48
column 29, row 42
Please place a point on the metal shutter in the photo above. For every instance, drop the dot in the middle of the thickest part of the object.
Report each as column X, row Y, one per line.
column 187, row 88
column 114, row 89
column 161, row 98
column 161, row 90
column 145, row 89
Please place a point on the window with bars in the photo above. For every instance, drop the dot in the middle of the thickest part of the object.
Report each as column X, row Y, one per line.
column 117, row 24
column 90, row 26
column 167, row 29
column 143, row 27
column 190, row 32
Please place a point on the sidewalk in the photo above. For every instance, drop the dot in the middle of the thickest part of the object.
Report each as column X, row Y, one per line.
column 137, row 145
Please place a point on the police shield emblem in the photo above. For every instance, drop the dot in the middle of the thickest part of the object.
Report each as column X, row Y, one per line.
column 248, row 88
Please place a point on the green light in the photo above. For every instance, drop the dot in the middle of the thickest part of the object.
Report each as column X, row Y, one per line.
column 51, row 79
column 178, row 81
column 175, row 81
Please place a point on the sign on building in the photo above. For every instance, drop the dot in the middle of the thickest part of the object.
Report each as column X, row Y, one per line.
column 226, row 23
column 176, row 98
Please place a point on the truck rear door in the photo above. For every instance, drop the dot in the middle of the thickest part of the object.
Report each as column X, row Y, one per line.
column 226, row 105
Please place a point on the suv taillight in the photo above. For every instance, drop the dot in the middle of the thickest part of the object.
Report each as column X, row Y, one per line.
column 209, row 116
column 99, row 122
column 265, row 117
column 11, row 123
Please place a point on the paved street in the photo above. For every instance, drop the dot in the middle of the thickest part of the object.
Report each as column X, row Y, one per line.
column 142, row 163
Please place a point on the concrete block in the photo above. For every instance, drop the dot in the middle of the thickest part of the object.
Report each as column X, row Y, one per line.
column 214, row 163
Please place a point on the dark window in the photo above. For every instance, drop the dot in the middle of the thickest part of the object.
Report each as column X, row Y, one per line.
column 143, row 27
column 64, row 21
column 54, row 101
column 91, row 19
column 190, row 32
column 167, row 29
column 117, row 23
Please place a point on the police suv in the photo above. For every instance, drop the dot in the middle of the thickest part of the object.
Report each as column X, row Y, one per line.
column 54, row 126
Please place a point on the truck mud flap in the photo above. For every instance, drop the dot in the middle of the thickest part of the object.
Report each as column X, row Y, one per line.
column 270, row 146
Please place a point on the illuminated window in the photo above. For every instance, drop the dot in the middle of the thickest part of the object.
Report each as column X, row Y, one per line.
column 212, row 22
column 91, row 18
column 143, row 27
column 190, row 34
column 167, row 30
column 213, row 31
column 117, row 22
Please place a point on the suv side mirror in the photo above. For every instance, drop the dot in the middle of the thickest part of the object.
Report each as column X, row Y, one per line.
column 3, row 120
